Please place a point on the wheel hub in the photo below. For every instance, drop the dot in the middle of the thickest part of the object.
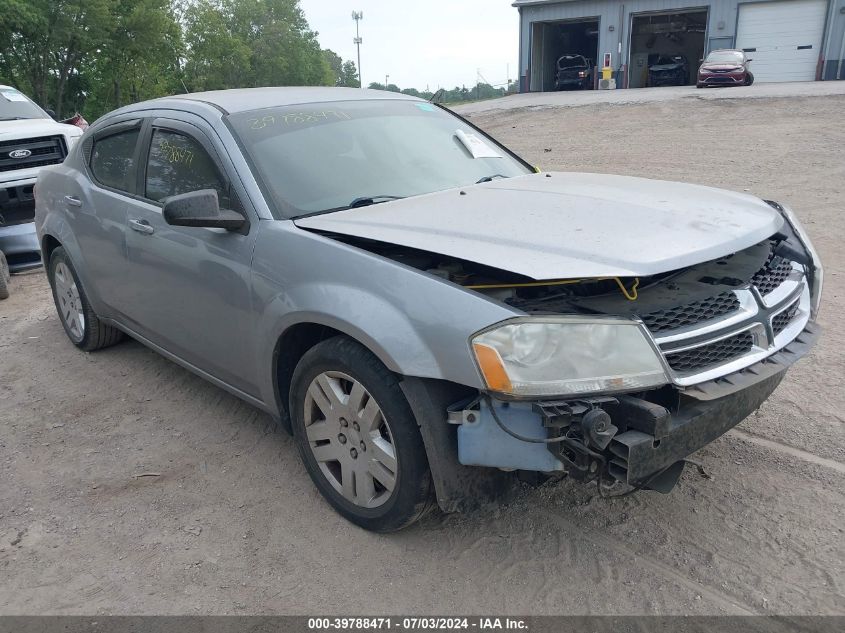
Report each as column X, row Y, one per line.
column 69, row 303
column 350, row 439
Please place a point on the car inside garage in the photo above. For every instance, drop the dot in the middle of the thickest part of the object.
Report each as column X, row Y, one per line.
column 551, row 40
column 660, row 41
column 783, row 38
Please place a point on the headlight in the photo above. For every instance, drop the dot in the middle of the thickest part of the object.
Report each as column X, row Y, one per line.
column 567, row 356
column 817, row 272
column 71, row 142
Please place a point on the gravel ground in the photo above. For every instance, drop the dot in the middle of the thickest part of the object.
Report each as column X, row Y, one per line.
column 131, row 486
column 577, row 98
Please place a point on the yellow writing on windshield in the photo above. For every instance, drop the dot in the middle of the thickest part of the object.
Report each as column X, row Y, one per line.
column 296, row 118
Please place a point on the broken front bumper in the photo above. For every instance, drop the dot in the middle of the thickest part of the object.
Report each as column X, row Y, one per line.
column 637, row 439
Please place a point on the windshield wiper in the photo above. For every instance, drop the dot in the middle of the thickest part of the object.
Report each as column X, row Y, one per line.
column 15, row 118
column 489, row 178
column 366, row 201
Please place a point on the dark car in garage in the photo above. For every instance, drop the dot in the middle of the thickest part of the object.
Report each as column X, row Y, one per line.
column 574, row 71
column 669, row 70
column 725, row 68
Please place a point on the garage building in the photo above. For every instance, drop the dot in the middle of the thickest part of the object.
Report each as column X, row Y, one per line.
column 788, row 40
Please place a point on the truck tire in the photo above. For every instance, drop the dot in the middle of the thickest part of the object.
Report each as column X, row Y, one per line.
column 81, row 324
column 5, row 277
column 358, row 438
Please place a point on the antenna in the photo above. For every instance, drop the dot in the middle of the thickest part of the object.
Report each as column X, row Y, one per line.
column 358, row 16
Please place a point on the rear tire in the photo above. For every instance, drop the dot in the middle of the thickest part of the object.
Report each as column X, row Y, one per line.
column 5, row 277
column 81, row 324
column 358, row 438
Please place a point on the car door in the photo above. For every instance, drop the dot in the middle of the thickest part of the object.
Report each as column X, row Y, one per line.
column 97, row 207
column 190, row 286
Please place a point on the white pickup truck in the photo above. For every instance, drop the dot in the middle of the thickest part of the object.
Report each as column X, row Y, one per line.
column 29, row 140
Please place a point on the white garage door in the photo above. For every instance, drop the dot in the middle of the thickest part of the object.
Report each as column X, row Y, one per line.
column 783, row 38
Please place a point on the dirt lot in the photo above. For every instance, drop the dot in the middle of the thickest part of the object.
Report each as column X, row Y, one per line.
column 230, row 522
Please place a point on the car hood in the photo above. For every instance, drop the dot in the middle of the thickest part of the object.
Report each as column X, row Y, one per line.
column 721, row 66
column 31, row 128
column 567, row 225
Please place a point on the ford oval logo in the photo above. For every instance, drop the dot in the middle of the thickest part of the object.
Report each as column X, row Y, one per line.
column 20, row 153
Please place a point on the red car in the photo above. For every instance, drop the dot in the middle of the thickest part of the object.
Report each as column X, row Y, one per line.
column 725, row 68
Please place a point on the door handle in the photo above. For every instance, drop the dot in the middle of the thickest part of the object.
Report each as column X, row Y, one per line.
column 142, row 226
column 72, row 201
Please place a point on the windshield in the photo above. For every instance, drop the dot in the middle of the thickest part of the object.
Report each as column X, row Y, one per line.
column 15, row 105
column 724, row 57
column 328, row 156
column 571, row 61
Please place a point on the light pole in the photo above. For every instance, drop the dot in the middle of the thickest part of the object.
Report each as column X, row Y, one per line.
column 358, row 16
column 386, row 77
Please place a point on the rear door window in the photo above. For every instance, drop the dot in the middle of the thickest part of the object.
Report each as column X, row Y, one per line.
column 179, row 164
column 113, row 160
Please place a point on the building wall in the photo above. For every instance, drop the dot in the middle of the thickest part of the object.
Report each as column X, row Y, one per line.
column 721, row 28
column 835, row 42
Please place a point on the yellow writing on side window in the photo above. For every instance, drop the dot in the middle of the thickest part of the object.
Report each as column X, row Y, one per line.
column 296, row 118
column 175, row 154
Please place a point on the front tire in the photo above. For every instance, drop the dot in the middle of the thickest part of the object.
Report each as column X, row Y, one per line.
column 81, row 324
column 749, row 79
column 5, row 277
column 358, row 438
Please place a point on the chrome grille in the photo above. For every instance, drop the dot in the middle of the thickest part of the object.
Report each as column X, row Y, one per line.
column 772, row 275
column 691, row 313
column 43, row 150
column 715, row 353
column 765, row 320
column 783, row 319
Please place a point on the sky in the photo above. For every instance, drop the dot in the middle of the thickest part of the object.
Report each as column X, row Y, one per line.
column 422, row 43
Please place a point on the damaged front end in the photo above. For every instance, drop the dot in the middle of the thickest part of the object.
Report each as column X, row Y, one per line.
column 724, row 332
column 614, row 378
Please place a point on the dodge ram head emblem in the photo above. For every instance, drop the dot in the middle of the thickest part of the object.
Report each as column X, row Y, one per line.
column 20, row 153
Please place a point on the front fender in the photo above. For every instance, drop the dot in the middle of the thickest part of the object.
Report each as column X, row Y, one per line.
column 416, row 324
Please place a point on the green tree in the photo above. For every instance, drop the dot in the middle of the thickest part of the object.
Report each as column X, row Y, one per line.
column 141, row 60
column 349, row 75
column 47, row 42
column 345, row 73
column 240, row 43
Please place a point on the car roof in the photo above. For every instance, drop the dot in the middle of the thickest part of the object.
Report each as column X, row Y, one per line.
column 243, row 99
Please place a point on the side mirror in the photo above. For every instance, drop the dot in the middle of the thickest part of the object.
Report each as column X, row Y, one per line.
column 748, row 60
column 52, row 113
column 200, row 209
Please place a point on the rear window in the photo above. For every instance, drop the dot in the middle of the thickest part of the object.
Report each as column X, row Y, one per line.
column 113, row 160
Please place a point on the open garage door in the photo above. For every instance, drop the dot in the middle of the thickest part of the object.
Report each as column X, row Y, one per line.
column 552, row 40
column 666, row 47
column 783, row 38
